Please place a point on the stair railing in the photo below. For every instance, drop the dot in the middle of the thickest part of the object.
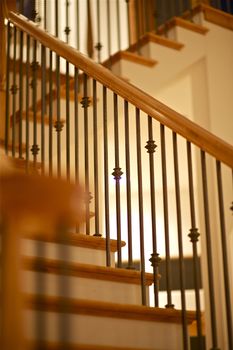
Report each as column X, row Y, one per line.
column 152, row 177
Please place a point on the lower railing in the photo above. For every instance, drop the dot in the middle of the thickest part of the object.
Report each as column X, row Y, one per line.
column 152, row 178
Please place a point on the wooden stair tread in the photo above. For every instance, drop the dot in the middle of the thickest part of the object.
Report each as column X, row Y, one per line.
column 180, row 22
column 157, row 39
column 85, row 270
column 85, row 241
column 216, row 16
column 130, row 56
column 105, row 309
column 43, row 345
column 20, row 163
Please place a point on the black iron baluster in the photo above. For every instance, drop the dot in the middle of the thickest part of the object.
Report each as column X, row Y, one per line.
column 45, row 14
column 56, row 18
column 43, row 106
column 78, row 28
column 27, row 102
column 59, row 124
column 194, row 238
column 106, row 180
column 34, row 65
column 85, row 104
column 67, row 28
column 209, row 252
column 180, row 243
column 138, row 26
column 96, row 164
column 67, row 121
column 14, row 89
column 225, row 256
column 166, row 218
column 140, row 204
column 98, row 46
column 117, row 173
column 50, row 112
column 21, row 96
column 76, row 129
column 155, row 259
column 7, row 121
column 118, row 25
column 128, row 186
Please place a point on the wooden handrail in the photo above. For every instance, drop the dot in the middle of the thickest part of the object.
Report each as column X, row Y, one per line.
column 194, row 133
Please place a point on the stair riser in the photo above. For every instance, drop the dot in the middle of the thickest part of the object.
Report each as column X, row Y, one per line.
column 87, row 329
column 81, row 288
column 71, row 253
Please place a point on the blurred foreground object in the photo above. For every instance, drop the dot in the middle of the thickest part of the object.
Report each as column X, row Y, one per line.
column 30, row 205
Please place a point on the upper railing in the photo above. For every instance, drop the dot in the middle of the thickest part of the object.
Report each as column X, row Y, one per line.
column 169, row 199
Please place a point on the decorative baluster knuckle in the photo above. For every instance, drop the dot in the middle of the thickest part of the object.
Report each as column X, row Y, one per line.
column 155, row 260
column 231, row 207
column 98, row 46
column 85, row 102
column 67, row 30
column 14, row 88
column 151, row 146
column 117, row 173
column 34, row 66
column 35, row 150
column 58, row 125
column 193, row 235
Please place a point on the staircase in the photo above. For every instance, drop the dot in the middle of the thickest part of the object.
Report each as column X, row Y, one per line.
column 153, row 179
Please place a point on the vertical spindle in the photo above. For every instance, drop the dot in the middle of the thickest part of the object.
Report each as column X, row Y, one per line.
column 78, row 28
column 56, row 18
column 67, row 121
column 209, row 252
column 155, row 259
column 117, row 173
column 106, row 180
column 109, row 33
column 45, row 14
column 98, row 45
column 51, row 94
column 128, row 23
column 43, row 106
column 21, row 92
column 14, row 89
column 140, row 205
column 34, row 66
column 166, row 218
column 76, row 129
column 58, row 124
column 67, row 28
column 128, row 185
column 194, row 238
column 7, row 121
column 118, row 25
column 224, row 256
column 180, row 243
column 27, row 101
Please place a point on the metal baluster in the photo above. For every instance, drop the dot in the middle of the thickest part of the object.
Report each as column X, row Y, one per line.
column 118, row 25
column 128, row 186
column 194, row 238
column 76, row 129
column 225, row 256
column 98, row 45
column 166, row 219
column 67, row 121
column 117, row 173
column 45, row 14
column 138, row 26
column 50, row 113
column 67, row 28
column 43, row 106
column 96, row 163
column 27, row 102
column 13, row 90
column 34, row 66
column 180, row 243
column 209, row 253
column 106, row 180
column 21, row 95
column 140, row 203
column 56, row 18
column 109, row 33
column 85, row 104
column 7, row 88
column 155, row 259
column 59, row 123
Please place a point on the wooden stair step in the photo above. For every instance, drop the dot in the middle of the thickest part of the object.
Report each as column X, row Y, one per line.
column 85, row 271
column 43, row 345
column 180, row 22
column 85, row 241
column 157, row 39
column 106, row 309
column 130, row 56
column 216, row 16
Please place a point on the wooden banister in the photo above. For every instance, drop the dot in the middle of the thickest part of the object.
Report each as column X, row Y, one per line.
column 194, row 133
